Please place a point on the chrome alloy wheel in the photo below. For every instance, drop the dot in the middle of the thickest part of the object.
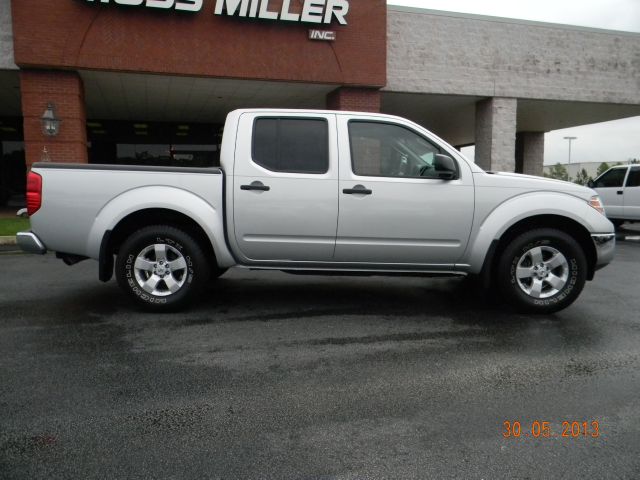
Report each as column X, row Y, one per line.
column 542, row 272
column 160, row 269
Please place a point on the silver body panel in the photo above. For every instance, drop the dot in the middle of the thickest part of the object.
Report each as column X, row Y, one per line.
column 296, row 219
column 305, row 221
column 504, row 199
column 402, row 221
column 79, row 205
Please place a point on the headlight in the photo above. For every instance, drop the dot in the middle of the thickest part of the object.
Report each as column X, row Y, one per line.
column 597, row 204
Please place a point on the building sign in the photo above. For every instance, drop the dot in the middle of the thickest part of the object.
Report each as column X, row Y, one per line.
column 184, row 5
column 326, row 35
column 313, row 11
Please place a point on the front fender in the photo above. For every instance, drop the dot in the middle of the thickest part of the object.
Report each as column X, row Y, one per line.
column 203, row 213
column 527, row 205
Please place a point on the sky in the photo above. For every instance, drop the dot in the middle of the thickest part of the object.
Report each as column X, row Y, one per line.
column 614, row 141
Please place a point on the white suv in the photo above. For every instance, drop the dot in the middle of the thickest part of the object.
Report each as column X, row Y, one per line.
column 619, row 190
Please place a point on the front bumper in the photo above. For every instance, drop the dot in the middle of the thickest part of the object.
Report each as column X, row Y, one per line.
column 30, row 243
column 605, row 244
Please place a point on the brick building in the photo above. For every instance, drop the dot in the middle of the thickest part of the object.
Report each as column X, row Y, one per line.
column 151, row 81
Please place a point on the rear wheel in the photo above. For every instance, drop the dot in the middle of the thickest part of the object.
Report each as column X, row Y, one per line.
column 542, row 271
column 161, row 267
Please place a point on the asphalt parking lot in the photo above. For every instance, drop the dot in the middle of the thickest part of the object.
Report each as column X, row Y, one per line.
column 278, row 376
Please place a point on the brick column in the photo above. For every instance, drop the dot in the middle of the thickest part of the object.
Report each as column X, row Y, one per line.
column 530, row 153
column 496, row 134
column 355, row 99
column 65, row 91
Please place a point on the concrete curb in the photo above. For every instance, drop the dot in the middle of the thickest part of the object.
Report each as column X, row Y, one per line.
column 8, row 241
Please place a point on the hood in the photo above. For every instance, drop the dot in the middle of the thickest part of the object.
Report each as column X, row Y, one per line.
column 533, row 183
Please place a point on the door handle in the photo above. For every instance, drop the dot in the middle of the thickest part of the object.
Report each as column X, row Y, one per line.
column 358, row 189
column 259, row 186
column 619, row 192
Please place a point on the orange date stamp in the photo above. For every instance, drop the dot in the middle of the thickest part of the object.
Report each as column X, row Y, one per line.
column 543, row 429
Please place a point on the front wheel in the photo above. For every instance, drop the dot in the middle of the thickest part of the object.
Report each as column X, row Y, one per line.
column 542, row 271
column 162, row 267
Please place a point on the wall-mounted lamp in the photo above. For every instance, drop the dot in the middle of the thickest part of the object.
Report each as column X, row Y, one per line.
column 50, row 123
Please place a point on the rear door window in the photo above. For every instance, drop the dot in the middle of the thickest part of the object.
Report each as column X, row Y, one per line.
column 291, row 145
column 634, row 177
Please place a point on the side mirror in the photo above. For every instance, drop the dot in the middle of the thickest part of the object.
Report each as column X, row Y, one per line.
column 591, row 184
column 445, row 167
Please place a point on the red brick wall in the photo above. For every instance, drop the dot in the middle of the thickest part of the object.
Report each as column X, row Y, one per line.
column 354, row 99
column 64, row 90
column 77, row 34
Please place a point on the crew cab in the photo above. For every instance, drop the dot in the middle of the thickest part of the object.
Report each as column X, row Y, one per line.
column 619, row 189
column 321, row 191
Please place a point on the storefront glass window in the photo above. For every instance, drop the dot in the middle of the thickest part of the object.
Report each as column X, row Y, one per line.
column 154, row 143
column 166, row 154
column 13, row 171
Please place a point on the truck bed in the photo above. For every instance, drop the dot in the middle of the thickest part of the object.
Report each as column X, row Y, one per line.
column 81, row 202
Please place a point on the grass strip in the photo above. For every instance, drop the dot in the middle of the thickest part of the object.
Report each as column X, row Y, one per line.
column 11, row 226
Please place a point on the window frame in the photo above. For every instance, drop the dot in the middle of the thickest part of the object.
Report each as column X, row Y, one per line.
column 631, row 171
column 285, row 117
column 440, row 149
column 611, row 170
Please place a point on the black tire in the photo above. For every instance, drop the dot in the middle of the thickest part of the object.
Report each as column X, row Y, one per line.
column 176, row 280
column 546, row 294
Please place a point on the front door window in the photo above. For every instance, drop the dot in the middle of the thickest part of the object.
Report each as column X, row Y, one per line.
column 387, row 150
column 612, row 178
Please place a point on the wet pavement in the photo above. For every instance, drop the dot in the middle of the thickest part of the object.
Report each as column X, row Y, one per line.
column 279, row 376
column 629, row 232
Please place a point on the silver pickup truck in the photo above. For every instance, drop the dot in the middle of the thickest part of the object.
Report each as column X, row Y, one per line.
column 321, row 191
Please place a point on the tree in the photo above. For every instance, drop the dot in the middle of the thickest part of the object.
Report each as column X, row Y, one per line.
column 582, row 178
column 604, row 166
column 559, row 172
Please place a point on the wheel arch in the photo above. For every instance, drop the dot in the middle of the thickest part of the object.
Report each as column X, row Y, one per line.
column 113, row 238
column 565, row 224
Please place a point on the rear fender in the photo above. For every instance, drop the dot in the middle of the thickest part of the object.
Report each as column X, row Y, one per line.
column 203, row 213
